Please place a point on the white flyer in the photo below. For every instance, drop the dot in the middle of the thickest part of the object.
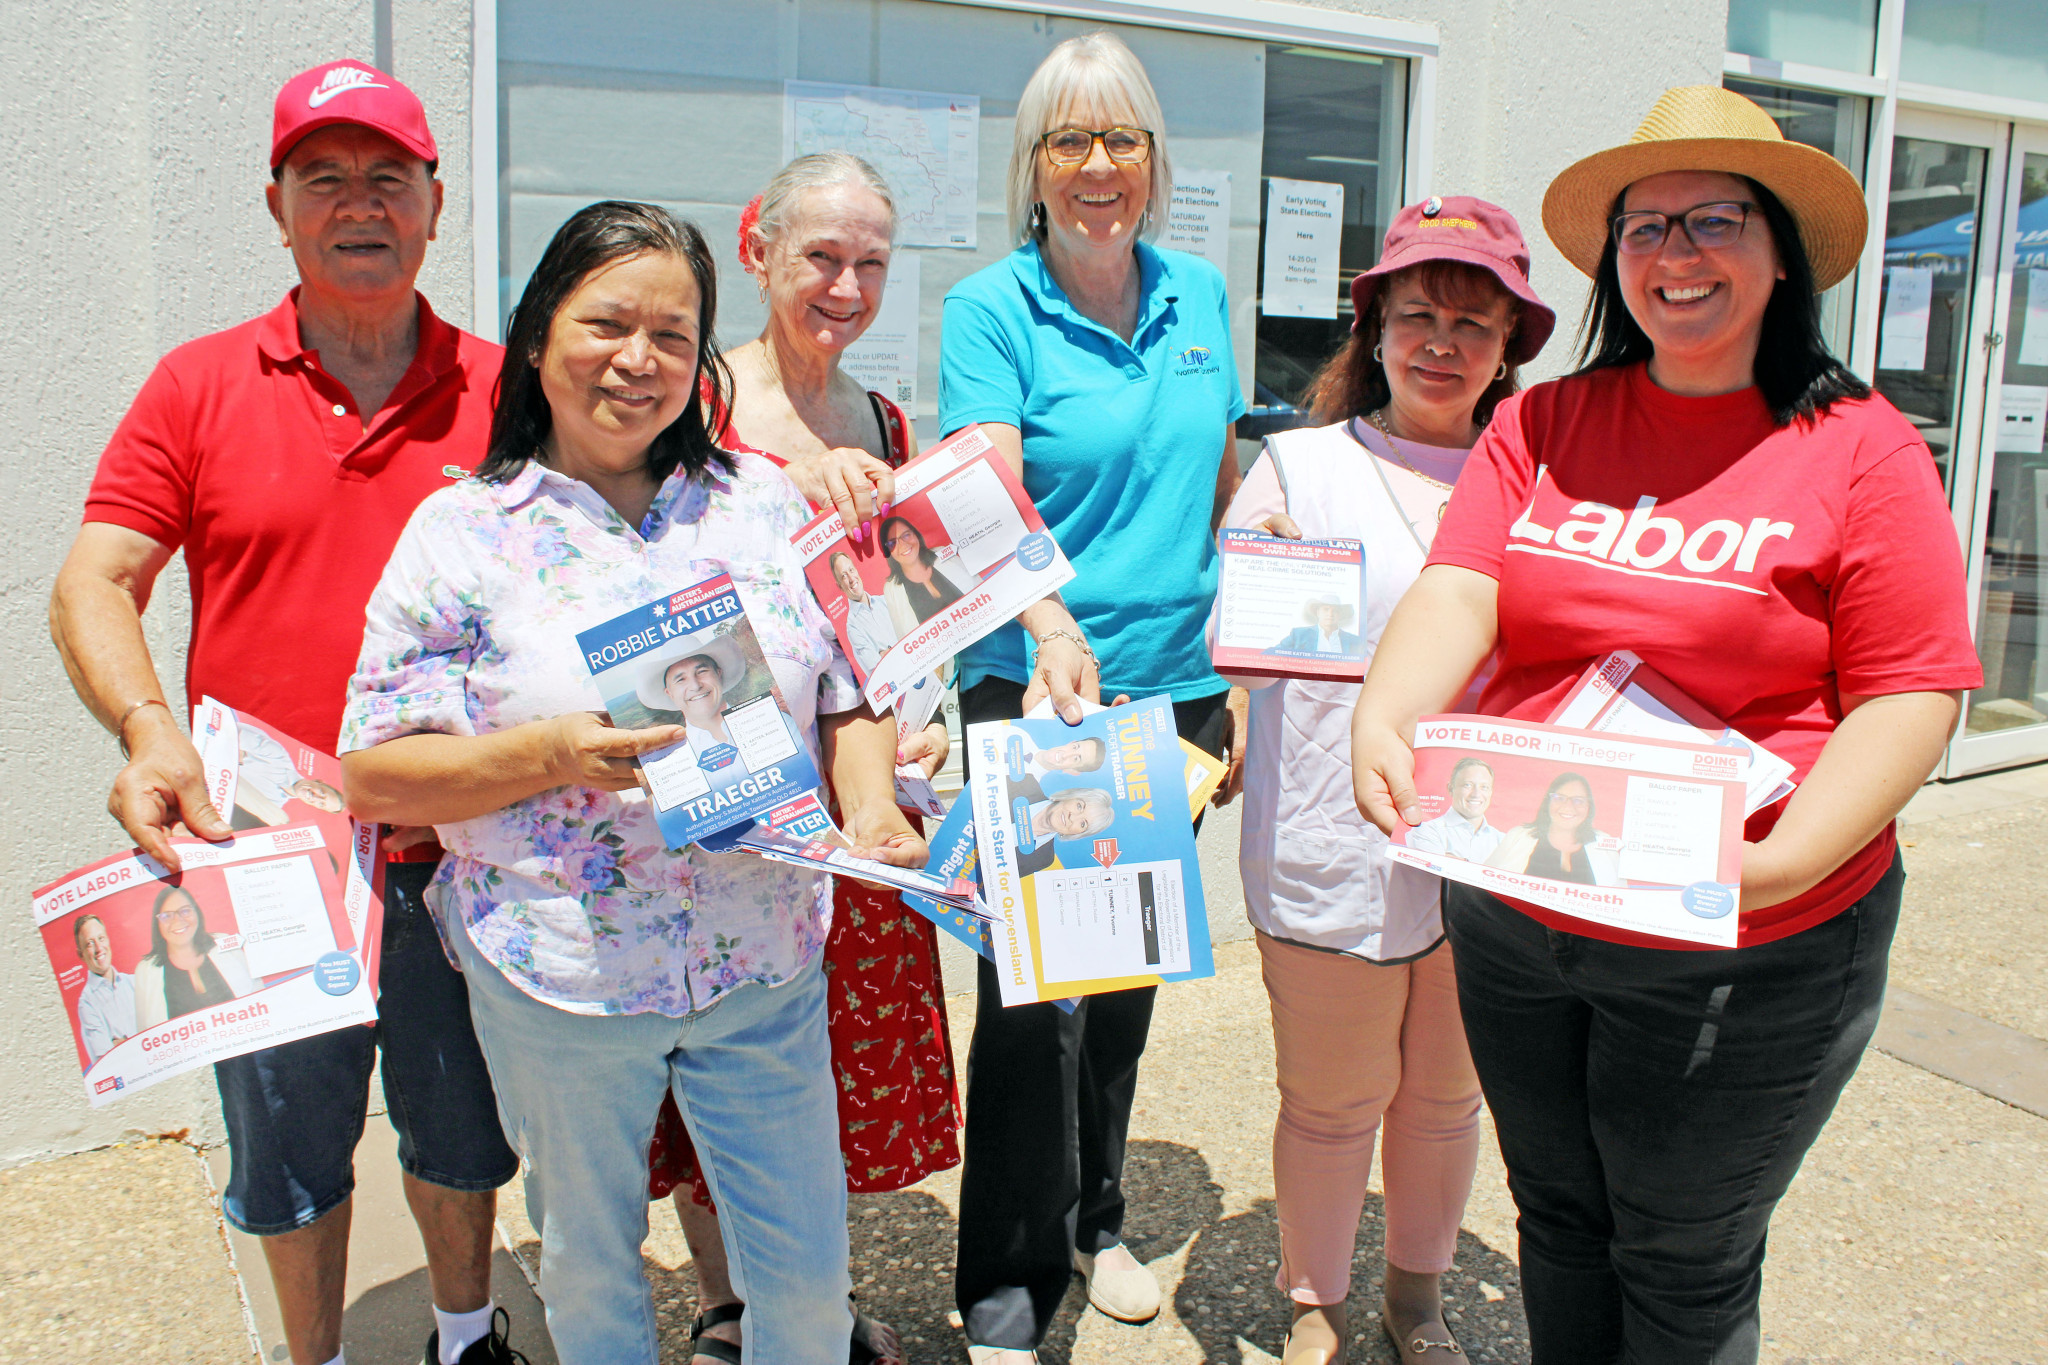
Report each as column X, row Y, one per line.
column 1902, row 330
column 925, row 145
column 884, row 360
column 2022, row 417
column 1304, row 228
column 282, row 915
column 1198, row 218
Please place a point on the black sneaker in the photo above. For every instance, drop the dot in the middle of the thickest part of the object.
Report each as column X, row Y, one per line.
column 494, row 1349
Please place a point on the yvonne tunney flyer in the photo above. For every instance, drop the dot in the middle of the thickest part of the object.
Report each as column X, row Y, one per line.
column 1633, row 833
column 689, row 658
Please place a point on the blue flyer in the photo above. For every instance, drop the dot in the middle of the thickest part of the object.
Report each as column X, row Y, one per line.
column 691, row 659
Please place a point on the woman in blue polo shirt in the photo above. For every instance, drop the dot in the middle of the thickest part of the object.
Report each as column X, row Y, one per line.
column 1101, row 367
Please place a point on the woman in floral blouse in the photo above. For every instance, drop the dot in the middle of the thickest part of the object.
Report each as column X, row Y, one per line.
column 604, row 969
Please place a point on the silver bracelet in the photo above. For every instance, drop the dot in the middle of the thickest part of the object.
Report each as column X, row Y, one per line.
column 1068, row 635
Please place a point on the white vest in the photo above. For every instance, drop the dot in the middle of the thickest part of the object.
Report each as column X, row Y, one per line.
column 1314, row 870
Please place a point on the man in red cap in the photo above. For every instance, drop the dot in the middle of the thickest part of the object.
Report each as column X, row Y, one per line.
column 284, row 456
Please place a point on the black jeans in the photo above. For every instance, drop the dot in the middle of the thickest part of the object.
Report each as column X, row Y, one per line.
column 1653, row 1106
column 1048, row 1106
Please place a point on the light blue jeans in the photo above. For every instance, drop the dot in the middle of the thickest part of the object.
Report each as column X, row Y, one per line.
column 752, row 1074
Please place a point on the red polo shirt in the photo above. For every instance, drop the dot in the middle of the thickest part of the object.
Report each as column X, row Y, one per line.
column 243, row 451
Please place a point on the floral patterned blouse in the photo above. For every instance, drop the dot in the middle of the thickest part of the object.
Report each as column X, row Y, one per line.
column 472, row 629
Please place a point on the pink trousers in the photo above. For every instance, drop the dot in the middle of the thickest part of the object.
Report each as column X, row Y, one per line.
column 1356, row 1042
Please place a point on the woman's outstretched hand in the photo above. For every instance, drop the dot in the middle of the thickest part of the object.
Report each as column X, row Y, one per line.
column 856, row 484
column 927, row 748
column 880, row 832
column 1281, row 525
column 583, row 750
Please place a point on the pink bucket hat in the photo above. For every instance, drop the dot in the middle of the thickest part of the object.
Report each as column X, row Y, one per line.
column 1461, row 228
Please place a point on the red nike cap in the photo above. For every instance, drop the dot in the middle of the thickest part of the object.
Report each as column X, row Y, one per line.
column 348, row 92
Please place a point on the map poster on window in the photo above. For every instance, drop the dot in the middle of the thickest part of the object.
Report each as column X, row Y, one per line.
column 925, row 145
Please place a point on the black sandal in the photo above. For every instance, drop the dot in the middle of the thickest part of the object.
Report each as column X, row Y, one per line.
column 722, row 1351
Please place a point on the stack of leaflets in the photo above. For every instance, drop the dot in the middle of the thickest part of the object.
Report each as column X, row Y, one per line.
column 1623, row 695
column 691, row 659
column 1083, row 854
column 1642, row 834
column 961, row 553
column 1289, row 608
column 266, row 938
column 803, row 835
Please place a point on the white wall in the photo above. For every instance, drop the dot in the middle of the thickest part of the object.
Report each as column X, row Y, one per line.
column 138, row 138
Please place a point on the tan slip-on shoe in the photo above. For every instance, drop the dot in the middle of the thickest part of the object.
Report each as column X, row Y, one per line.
column 1000, row 1355
column 1119, row 1285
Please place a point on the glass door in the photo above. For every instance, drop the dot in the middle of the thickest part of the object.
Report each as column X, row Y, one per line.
column 2007, row 719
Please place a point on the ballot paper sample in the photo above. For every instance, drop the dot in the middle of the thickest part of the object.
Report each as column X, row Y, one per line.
column 1632, row 833
column 247, row 947
column 257, row 775
column 962, row 551
column 690, row 658
column 1083, row 854
column 802, row 834
column 1621, row 694
column 1289, row 608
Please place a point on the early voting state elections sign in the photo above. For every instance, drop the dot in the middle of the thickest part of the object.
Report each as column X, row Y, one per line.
column 691, row 659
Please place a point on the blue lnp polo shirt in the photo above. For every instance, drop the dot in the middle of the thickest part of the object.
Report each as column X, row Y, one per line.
column 1121, row 445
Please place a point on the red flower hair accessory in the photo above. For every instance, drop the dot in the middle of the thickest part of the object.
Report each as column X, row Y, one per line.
column 750, row 218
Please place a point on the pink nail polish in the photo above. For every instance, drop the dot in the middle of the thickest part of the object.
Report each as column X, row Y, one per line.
column 860, row 533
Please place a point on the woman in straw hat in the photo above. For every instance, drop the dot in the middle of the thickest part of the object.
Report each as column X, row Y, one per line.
column 1364, row 1001
column 1714, row 491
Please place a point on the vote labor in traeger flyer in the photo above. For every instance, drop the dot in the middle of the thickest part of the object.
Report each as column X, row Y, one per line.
column 1630, row 832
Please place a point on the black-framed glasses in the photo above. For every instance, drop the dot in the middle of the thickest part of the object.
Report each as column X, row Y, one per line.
column 1710, row 227
column 1071, row 146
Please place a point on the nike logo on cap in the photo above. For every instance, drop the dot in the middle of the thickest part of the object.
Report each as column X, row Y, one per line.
column 340, row 81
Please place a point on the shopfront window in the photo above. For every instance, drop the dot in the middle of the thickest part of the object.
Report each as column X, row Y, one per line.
column 694, row 104
column 1839, row 34
column 1338, row 121
column 1837, row 125
column 1991, row 47
column 2010, row 638
column 1931, row 231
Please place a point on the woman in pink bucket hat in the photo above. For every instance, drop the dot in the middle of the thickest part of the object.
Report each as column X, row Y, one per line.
column 1365, row 1008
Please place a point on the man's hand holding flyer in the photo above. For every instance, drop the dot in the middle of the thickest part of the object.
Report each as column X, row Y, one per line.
column 1289, row 608
column 961, row 552
column 691, row 659
column 1635, row 833
column 258, row 941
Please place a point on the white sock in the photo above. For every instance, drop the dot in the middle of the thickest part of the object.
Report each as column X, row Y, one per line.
column 340, row 1357
column 458, row 1330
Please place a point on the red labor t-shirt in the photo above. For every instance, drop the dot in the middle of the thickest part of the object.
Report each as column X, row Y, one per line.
column 243, row 451
column 1762, row 569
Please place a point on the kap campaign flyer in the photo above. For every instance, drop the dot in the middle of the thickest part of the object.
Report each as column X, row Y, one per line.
column 1289, row 608
column 691, row 659
column 1085, row 856
column 1634, row 833
column 961, row 552
column 270, row 937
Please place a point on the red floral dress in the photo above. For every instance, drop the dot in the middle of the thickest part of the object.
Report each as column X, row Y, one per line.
column 892, row 1056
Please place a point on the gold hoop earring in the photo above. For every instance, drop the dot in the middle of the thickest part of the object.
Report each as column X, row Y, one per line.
column 1377, row 346
column 1501, row 373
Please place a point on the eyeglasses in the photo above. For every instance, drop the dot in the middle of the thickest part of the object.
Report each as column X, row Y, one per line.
column 1562, row 799
column 1071, row 146
column 182, row 912
column 1710, row 227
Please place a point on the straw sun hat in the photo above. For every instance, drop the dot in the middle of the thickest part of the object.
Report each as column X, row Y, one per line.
column 724, row 654
column 1706, row 128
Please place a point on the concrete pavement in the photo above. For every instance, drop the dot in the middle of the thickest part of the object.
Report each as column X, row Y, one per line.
column 1917, row 1232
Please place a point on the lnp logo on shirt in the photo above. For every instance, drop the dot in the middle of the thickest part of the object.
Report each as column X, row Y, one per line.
column 340, row 81
column 1194, row 360
column 1644, row 545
